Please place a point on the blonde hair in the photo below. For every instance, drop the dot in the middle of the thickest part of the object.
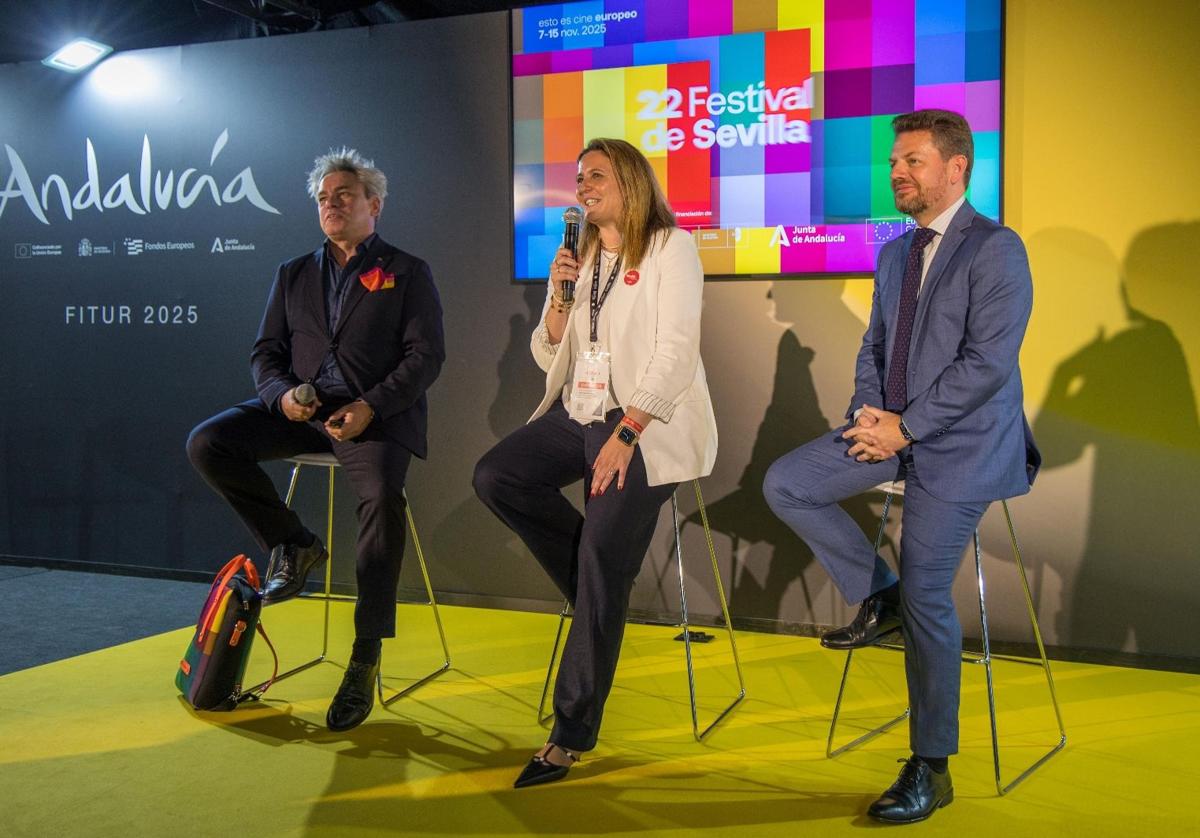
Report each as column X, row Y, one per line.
column 647, row 212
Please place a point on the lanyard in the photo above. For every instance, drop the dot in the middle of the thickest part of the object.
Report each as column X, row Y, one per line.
column 598, row 297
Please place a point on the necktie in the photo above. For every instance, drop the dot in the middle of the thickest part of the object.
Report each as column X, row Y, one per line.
column 896, row 394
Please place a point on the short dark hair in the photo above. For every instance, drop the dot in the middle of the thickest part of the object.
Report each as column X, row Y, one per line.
column 951, row 133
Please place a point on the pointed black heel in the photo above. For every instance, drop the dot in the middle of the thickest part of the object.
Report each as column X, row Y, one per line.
column 541, row 770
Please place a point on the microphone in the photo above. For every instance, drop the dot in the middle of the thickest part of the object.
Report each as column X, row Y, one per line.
column 572, row 219
column 304, row 395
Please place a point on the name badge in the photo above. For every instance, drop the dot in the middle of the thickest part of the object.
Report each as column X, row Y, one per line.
column 589, row 387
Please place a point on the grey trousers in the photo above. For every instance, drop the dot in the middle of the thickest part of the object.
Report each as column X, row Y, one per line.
column 803, row 488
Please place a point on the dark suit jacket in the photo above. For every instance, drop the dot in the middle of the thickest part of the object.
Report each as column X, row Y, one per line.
column 965, row 398
column 388, row 343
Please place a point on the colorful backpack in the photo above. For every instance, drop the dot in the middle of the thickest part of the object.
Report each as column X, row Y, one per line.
column 210, row 674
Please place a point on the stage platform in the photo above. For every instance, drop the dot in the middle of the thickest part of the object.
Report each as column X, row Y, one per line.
column 101, row 745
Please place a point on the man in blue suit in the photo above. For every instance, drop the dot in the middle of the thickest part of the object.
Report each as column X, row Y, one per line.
column 938, row 403
column 358, row 324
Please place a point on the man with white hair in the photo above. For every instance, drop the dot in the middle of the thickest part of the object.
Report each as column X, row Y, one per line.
column 358, row 325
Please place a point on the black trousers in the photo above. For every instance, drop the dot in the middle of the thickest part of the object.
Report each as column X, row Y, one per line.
column 227, row 449
column 592, row 558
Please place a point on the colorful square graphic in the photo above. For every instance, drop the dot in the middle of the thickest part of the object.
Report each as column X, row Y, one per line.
column 767, row 122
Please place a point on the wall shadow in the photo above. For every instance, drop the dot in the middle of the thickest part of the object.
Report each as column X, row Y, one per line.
column 792, row 417
column 1126, row 395
column 516, row 369
column 470, row 533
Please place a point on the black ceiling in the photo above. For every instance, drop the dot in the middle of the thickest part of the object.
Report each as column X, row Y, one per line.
column 32, row 29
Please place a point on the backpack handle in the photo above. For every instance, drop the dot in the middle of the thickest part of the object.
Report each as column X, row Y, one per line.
column 238, row 562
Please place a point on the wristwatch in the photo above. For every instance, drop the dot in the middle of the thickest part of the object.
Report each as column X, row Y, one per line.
column 627, row 435
column 904, row 432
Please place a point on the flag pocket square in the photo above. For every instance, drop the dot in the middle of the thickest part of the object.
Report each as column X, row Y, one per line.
column 376, row 280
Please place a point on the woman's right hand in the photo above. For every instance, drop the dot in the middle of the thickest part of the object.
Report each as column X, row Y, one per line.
column 563, row 269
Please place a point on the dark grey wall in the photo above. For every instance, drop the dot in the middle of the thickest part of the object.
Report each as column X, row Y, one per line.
column 93, row 440
column 96, row 415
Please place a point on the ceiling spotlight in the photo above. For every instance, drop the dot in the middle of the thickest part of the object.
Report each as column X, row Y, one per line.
column 77, row 55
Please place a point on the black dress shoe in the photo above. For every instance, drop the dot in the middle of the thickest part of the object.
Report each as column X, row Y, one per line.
column 918, row 792
column 541, row 770
column 876, row 617
column 355, row 697
column 291, row 565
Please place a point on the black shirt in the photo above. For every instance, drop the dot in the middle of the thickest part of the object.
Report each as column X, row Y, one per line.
column 330, row 382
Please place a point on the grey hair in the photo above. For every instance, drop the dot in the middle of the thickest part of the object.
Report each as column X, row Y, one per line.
column 347, row 160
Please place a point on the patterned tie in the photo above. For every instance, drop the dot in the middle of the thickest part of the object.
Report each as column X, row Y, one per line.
column 896, row 397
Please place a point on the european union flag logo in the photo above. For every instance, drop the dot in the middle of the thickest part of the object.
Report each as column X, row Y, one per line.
column 883, row 230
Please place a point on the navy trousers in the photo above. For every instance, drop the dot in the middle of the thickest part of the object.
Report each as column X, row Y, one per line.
column 803, row 488
column 593, row 559
column 226, row 450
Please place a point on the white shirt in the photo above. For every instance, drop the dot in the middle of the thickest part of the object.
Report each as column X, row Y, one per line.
column 939, row 226
column 582, row 326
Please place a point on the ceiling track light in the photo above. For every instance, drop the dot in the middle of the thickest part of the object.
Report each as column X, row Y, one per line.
column 79, row 54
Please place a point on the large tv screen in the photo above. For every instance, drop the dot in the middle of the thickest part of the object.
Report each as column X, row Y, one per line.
column 768, row 123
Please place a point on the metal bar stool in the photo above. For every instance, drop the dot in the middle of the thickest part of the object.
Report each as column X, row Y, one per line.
column 330, row 462
column 686, row 635
column 986, row 658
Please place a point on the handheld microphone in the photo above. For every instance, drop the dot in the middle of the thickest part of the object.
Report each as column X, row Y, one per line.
column 572, row 220
column 304, row 395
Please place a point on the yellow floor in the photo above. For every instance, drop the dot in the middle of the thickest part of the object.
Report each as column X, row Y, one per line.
column 101, row 745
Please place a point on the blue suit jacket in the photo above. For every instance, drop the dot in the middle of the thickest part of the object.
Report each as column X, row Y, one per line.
column 388, row 343
column 964, row 384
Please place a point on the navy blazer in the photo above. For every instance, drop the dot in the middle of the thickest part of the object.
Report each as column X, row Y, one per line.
column 388, row 343
column 964, row 384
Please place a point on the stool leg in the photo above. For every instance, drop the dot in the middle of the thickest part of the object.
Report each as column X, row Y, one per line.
column 986, row 660
column 328, row 581
column 1043, row 662
column 830, row 751
column 687, row 643
column 437, row 618
column 287, row 501
column 699, row 734
column 328, row 565
column 542, row 715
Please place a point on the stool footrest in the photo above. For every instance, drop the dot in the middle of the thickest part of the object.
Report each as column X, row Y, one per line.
column 420, row 682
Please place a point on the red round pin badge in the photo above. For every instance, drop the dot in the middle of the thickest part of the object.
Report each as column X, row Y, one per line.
column 631, row 277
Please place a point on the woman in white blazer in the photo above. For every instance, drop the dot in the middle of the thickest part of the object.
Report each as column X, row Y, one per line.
column 626, row 408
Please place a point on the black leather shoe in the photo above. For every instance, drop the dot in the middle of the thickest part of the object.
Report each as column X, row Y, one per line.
column 355, row 697
column 918, row 792
column 876, row 617
column 541, row 770
column 291, row 565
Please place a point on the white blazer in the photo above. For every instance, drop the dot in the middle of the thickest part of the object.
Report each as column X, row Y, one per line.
column 654, row 337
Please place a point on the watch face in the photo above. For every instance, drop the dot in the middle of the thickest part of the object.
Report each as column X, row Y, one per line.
column 626, row 435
